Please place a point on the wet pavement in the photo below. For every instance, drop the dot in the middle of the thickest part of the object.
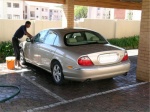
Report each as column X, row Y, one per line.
column 39, row 94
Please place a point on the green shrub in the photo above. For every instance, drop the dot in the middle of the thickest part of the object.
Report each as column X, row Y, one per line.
column 6, row 49
column 126, row 42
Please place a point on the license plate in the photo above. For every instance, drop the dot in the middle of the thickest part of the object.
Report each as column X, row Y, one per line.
column 108, row 58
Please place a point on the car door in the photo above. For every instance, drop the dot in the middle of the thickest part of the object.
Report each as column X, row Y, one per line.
column 47, row 49
column 33, row 49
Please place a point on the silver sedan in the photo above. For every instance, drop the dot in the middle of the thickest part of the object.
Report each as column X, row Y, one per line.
column 75, row 54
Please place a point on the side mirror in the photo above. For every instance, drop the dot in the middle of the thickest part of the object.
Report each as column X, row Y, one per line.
column 29, row 40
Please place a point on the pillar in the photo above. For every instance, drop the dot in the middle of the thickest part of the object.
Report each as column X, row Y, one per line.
column 68, row 15
column 143, row 65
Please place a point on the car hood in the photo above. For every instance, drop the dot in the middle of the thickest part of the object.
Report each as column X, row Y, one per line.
column 92, row 48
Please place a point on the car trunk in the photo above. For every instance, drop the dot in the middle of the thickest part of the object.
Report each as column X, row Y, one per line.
column 99, row 54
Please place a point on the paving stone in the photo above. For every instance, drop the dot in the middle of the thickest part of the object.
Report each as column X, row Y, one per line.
column 32, row 97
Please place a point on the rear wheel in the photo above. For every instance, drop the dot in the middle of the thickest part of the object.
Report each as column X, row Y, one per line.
column 57, row 73
column 22, row 58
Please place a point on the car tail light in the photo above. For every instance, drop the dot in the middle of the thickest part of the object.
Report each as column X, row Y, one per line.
column 85, row 61
column 125, row 58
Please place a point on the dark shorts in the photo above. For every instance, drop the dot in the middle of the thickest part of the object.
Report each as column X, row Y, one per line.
column 16, row 47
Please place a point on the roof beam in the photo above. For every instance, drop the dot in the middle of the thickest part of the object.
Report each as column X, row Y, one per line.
column 110, row 4
column 121, row 4
column 49, row 1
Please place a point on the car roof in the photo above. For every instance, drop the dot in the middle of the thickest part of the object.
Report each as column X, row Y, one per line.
column 64, row 31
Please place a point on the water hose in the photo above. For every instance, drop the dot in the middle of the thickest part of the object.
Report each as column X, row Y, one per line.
column 15, row 94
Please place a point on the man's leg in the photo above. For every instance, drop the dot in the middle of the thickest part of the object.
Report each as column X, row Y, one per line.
column 16, row 51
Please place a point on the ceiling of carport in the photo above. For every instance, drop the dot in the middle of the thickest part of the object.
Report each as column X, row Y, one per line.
column 122, row 4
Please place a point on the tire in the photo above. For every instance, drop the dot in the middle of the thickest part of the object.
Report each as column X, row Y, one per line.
column 22, row 58
column 57, row 73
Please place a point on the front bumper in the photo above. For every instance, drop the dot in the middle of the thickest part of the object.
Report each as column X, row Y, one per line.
column 97, row 72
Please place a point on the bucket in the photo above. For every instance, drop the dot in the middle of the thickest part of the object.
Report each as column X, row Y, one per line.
column 10, row 61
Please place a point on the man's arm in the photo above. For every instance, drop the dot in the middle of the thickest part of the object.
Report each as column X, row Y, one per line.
column 28, row 34
column 25, row 32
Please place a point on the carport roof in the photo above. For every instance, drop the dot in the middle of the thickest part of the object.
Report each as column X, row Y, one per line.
column 122, row 4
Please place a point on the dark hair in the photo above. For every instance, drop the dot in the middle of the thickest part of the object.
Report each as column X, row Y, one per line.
column 28, row 22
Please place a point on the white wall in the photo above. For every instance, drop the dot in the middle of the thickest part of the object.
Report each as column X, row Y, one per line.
column 108, row 28
column 125, row 28
column 9, row 27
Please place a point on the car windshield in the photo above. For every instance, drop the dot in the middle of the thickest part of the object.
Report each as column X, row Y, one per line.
column 84, row 38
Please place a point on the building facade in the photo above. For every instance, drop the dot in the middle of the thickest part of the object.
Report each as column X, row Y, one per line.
column 109, row 13
column 35, row 11
column 99, row 13
column 1, row 9
column 11, row 9
column 55, row 14
column 133, row 15
column 41, row 11
column 119, row 13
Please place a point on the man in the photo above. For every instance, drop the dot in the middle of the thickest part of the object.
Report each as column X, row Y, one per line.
column 15, row 40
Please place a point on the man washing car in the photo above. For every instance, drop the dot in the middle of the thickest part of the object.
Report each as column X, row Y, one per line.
column 15, row 40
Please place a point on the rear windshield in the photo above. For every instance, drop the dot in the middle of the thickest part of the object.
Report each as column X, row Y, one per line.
column 83, row 38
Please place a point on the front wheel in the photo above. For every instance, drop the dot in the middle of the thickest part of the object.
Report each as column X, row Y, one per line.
column 57, row 73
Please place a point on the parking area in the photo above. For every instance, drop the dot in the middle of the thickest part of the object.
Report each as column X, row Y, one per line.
column 39, row 94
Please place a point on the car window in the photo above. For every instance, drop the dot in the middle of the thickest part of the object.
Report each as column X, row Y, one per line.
column 50, row 38
column 37, row 37
column 93, row 37
column 84, row 37
column 40, row 36
column 76, row 34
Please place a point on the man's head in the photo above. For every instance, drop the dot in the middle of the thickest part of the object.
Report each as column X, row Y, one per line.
column 27, row 24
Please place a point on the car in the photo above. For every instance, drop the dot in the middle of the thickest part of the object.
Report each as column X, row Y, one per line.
column 74, row 54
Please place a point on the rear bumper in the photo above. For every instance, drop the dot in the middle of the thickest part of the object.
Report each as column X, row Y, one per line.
column 98, row 72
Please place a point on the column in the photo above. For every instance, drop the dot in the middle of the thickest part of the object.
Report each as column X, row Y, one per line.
column 143, row 66
column 68, row 16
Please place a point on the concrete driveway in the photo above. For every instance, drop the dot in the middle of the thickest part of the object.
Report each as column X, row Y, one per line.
column 39, row 94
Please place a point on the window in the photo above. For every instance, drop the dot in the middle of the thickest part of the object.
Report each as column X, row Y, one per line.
column 46, row 10
column 25, row 9
column 42, row 9
column 9, row 16
column 25, row 17
column 15, row 5
column 84, row 38
column 76, row 34
column 98, row 14
column 46, row 17
column 8, row 4
column 50, row 38
column 32, row 13
column 40, row 37
column 16, row 17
